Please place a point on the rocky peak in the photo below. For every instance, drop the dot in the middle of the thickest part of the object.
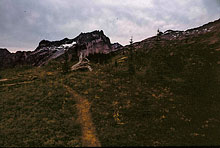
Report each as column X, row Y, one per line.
column 91, row 36
column 116, row 46
column 92, row 43
column 3, row 52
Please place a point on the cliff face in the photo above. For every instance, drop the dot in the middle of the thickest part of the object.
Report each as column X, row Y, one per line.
column 8, row 59
column 4, row 57
column 92, row 43
column 86, row 43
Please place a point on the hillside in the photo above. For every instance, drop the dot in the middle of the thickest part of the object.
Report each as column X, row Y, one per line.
column 170, row 99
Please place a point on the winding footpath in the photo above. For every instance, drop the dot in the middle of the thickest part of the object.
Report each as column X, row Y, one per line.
column 89, row 137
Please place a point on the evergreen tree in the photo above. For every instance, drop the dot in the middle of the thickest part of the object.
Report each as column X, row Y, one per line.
column 65, row 67
column 116, row 63
column 159, row 33
column 131, row 68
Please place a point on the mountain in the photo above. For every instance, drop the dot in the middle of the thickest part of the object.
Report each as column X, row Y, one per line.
column 86, row 43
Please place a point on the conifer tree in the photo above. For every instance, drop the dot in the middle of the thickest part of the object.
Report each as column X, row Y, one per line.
column 131, row 68
column 65, row 67
column 116, row 63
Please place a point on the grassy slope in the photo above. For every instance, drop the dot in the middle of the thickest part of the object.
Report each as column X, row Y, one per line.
column 173, row 99
column 36, row 113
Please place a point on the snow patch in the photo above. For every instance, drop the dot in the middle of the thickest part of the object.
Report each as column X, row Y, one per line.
column 68, row 45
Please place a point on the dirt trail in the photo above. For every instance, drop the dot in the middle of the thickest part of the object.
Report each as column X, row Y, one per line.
column 89, row 138
column 19, row 83
column 2, row 80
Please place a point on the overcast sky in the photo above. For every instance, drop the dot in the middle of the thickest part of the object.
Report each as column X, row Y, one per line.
column 24, row 23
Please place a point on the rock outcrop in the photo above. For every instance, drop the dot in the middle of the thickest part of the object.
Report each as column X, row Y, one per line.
column 8, row 59
column 5, row 58
column 116, row 46
column 92, row 43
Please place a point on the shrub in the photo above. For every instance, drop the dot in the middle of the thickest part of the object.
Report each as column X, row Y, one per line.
column 65, row 67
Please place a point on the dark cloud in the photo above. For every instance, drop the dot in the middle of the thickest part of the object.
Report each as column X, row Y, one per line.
column 23, row 23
